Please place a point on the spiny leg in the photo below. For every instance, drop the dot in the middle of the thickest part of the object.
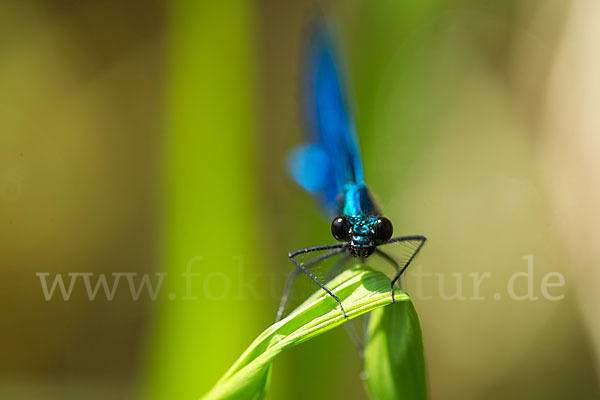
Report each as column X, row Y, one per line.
column 396, row 266
column 420, row 239
column 341, row 247
column 338, row 248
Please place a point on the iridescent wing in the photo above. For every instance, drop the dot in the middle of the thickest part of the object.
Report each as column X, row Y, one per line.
column 331, row 156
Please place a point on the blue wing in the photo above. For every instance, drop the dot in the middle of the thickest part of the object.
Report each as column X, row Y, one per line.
column 331, row 158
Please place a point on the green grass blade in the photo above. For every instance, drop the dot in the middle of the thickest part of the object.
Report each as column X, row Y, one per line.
column 394, row 359
column 361, row 290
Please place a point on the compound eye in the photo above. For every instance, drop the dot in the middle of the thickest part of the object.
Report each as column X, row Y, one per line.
column 383, row 230
column 340, row 228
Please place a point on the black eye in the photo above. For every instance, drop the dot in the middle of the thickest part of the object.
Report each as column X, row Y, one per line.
column 383, row 230
column 340, row 228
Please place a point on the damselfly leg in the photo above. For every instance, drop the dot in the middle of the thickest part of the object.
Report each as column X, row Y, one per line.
column 305, row 268
column 414, row 245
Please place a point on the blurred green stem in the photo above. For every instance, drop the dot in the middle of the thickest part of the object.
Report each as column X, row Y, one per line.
column 209, row 198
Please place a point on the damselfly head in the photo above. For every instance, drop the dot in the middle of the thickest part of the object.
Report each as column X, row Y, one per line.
column 362, row 233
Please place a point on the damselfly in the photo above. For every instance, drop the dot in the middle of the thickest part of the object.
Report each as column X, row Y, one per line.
column 329, row 166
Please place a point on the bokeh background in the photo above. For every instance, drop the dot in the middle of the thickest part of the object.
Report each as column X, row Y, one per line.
column 150, row 137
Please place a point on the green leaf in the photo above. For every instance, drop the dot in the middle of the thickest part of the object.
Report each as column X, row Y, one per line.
column 394, row 361
column 361, row 290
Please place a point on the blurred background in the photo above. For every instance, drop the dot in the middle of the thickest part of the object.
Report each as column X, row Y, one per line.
column 147, row 140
